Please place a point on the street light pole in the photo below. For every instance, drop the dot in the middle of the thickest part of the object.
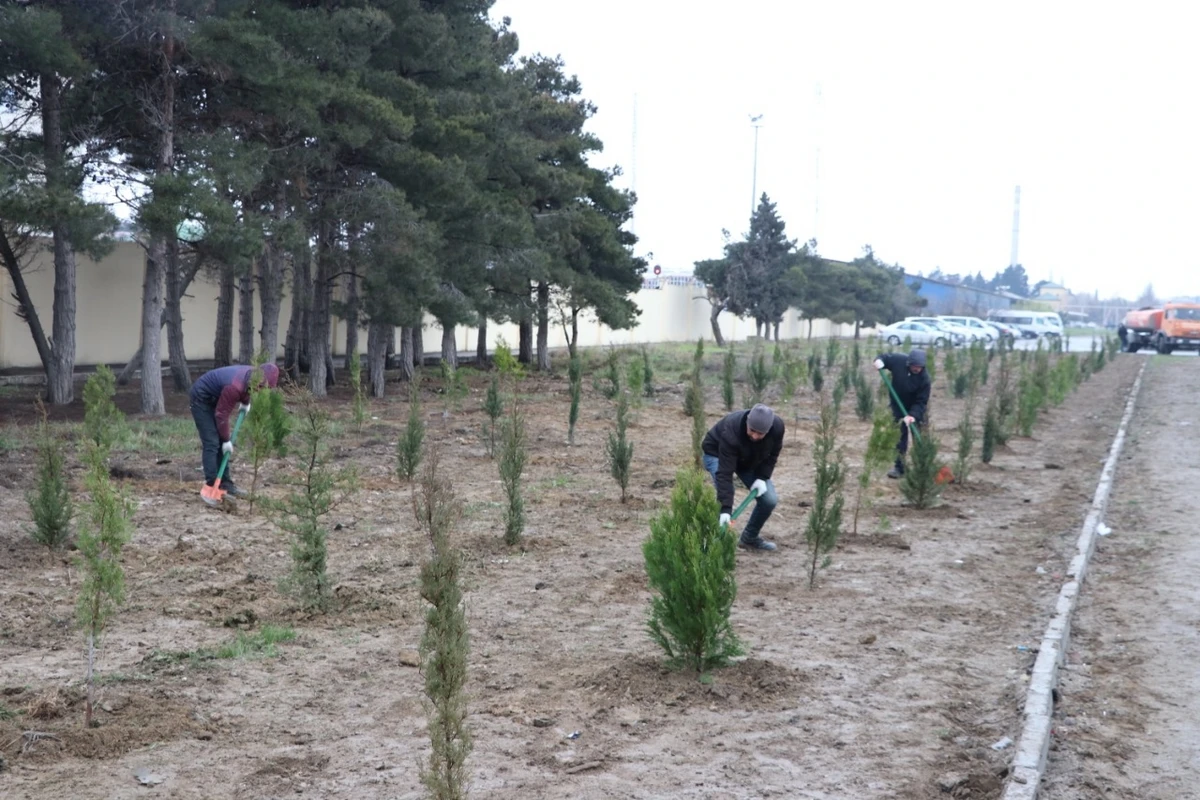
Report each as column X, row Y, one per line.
column 756, row 122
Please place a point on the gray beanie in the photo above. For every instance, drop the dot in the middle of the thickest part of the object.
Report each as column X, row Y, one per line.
column 761, row 418
column 916, row 358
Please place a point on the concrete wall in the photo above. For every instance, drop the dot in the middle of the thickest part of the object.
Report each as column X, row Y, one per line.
column 109, row 314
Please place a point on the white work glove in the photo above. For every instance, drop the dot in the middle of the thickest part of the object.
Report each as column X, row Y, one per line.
column 879, row 363
column 244, row 408
column 227, row 447
column 759, row 486
column 725, row 520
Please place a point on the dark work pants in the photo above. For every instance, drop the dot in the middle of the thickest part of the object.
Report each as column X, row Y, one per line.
column 210, row 443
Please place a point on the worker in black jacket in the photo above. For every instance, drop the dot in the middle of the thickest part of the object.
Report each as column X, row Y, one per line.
column 747, row 444
column 912, row 385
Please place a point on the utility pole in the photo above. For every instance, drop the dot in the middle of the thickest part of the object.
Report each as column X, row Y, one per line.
column 756, row 123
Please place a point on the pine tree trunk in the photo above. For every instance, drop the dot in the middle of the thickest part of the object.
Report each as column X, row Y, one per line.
column 163, row 119
column 418, row 346
column 377, row 347
column 776, row 333
column 60, row 369
column 223, row 341
column 295, row 350
column 716, row 328
column 407, row 343
column 351, row 314
column 270, row 283
column 153, row 402
column 573, row 344
column 481, row 354
column 543, row 332
column 525, row 339
column 319, row 373
column 449, row 347
column 810, row 323
column 25, row 301
column 180, row 374
column 246, row 317
column 134, row 362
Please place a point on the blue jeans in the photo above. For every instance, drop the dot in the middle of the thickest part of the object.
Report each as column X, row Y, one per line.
column 763, row 506
column 210, row 443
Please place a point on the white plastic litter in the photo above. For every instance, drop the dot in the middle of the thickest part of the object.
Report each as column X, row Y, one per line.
column 1103, row 529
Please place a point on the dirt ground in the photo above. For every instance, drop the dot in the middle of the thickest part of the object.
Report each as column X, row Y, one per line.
column 892, row 679
column 1125, row 727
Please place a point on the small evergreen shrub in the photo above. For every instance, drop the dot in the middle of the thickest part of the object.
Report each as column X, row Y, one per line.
column 513, row 455
column 919, row 485
column 728, row 370
column 50, row 504
column 619, row 449
column 824, row 524
column 493, row 406
column 575, row 379
column 408, row 449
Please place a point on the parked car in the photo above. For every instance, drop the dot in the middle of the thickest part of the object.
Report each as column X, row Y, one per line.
column 916, row 332
column 989, row 332
column 957, row 334
column 1032, row 324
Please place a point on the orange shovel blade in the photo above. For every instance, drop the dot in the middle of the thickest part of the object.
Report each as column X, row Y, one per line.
column 212, row 493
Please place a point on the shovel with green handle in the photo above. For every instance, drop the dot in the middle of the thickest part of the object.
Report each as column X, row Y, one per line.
column 215, row 492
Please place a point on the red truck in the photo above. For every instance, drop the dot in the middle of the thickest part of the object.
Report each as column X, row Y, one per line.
column 1175, row 326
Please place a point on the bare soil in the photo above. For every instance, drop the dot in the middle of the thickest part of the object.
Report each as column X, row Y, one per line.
column 1125, row 725
column 891, row 679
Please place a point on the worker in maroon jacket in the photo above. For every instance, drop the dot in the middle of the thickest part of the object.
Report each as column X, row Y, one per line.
column 217, row 398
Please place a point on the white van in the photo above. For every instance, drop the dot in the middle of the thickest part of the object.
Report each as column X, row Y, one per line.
column 982, row 329
column 1032, row 324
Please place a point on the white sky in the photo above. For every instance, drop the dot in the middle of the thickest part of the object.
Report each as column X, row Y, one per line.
column 930, row 115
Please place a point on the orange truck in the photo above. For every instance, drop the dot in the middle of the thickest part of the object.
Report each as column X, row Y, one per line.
column 1175, row 326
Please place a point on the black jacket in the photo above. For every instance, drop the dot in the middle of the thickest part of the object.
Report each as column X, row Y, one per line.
column 913, row 389
column 737, row 452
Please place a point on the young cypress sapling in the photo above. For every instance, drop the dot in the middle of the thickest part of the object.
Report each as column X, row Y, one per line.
column 635, row 380
column 966, row 442
column 575, row 378
column 50, row 504
column 919, row 484
column 493, row 406
column 824, row 524
column 647, row 372
column 619, row 449
column 728, row 370
column 881, row 449
column 513, row 454
column 358, row 403
column 991, row 431
column 266, row 427
column 445, row 642
column 408, row 449
column 690, row 564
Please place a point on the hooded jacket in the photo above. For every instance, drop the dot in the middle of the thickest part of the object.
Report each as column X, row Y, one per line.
column 913, row 389
column 224, row 388
column 737, row 452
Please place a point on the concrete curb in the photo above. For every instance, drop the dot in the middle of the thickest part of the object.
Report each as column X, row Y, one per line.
column 1029, row 762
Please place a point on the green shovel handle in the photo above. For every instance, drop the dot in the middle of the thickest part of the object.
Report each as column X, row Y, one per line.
column 225, row 458
column 742, row 506
column 887, row 380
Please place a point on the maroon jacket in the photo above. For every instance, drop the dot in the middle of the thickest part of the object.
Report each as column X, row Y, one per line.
column 224, row 388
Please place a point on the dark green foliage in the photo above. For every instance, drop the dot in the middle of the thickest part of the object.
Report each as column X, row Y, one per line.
column 693, row 395
column 635, row 380
column 314, row 490
column 818, row 379
column 619, row 449
column 758, row 378
column 846, row 376
column 445, row 643
column 839, row 394
column 514, row 446
column 832, row 348
column 991, row 432
column 966, row 442
column 611, row 385
column 824, row 524
column 50, row 504
column 791, row 373
column 728, row 370
column 962, row 383
column 1029, row 403
column 266, row 427
column 919, row 484
column 699, row 420
column 575, row 379
column 856, row 356
column 454, row 387
column 690, row 564
column 103, row 422
column 864, row 398
column 493, row 406
column 814, row 361
column 881, row 449
column 408, row 449
column 358, row 402
column 647, row 372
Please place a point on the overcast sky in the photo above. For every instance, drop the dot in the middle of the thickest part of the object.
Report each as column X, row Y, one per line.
column 928, row 117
